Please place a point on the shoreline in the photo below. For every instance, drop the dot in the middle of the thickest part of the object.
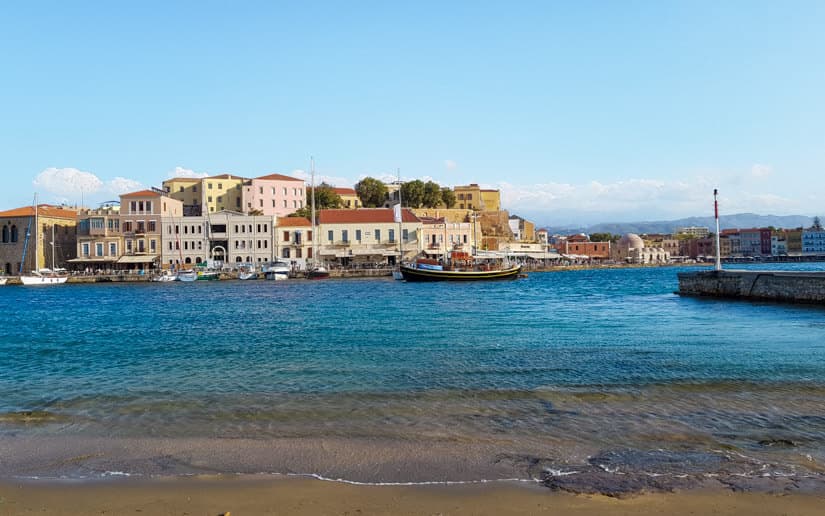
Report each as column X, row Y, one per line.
column 255, row 494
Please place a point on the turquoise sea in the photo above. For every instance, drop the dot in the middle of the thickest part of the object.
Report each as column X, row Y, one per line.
column 571, row 378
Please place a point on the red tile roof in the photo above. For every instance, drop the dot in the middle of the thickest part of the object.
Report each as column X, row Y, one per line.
column 185, row 179
column 292, row 222
column 142, row 193
column 344, row 191
column 44, row 210
column 364, row 215
column 280, row 177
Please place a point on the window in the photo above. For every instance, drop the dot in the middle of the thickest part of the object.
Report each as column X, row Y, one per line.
column 357, row 235
column 273, row 203
column 405, row 235
column 294, row 204
column 149, row 206
column 112, row 249
column 209, row 186
column 285, row 253
column 345, row 235
column 284, row 190
column 261, row 203
column 220, row 198
column 220, row 186
column 284, row 203
column 153, row 245
column 98, row 249
column 195, row 188
column 273, row 190
column 286, row 236
column 209, row 199
column 261, row 190
column 298, row 253
column 132, row 206
column 392, row 235
column 259, row 228
column 152, row 226
column 329, row 235
column 85, row 249
column 377, row 235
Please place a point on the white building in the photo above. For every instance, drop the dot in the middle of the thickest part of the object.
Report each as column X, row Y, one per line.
column 366, row 236
column 228, row 238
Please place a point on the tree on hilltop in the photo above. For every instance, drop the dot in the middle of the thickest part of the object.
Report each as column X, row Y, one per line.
column 448, row 197
column 412, row 193
column 371, row 191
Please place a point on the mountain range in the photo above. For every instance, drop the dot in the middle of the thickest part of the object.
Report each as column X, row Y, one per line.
column 738, row 220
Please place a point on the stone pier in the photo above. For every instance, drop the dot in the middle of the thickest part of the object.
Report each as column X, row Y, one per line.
column 783, row 286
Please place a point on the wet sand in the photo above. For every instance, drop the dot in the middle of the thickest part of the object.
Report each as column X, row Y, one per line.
column 299, row 496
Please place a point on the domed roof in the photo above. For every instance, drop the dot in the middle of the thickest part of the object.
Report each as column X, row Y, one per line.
column 631, row 241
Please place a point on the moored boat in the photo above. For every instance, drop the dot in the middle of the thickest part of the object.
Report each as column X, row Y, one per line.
column 208, row 275
column 276, row 271
column 44, row 277
column 413, row 272
column 187, row 275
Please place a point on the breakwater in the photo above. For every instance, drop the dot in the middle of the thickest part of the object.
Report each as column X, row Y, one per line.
column 784, row 286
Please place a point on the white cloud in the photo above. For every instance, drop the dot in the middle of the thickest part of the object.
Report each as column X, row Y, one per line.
column 186, row 172
column 641, row 199
column 68, row 185
column 450, row 164
column 122, row 185
column 761, row 170
column 68, row 182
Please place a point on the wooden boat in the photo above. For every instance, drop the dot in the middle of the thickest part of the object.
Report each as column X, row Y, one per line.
column 187, row 275
column 414, row 272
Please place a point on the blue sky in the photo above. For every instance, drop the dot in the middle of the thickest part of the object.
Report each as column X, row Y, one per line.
column 579, row 112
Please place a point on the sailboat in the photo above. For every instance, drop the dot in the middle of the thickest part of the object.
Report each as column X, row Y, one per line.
column 315, row 271
column 40, row 276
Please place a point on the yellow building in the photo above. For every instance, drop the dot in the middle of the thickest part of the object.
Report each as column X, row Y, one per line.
column 51, row 220
column 490, row 200
column 207, row 195
column 187, row 190
column 349, row 198
column 223, row 192
column 473, row 197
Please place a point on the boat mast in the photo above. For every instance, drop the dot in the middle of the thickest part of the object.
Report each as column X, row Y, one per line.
column 716, row 214
column 36, row 235
column 400, row 219
column 312, row 202
column 52, row 247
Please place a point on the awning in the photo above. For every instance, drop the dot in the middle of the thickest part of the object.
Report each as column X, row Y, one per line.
column 93, row 260
column 437, row 252
column 138, row 259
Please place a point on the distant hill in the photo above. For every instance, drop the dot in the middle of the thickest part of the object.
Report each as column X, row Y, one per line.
column 739, row 220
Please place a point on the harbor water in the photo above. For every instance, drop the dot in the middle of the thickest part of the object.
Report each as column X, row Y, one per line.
column 575, row 379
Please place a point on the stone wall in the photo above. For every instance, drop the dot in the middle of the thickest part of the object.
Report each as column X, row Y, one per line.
column 795, row 287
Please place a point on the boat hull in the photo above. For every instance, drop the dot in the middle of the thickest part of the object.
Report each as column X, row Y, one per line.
column 414, row 274
column 43, row 280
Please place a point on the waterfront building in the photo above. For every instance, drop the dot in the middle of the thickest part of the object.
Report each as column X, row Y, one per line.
column 273, row 195
column 99, row 239
column 225, row 238
column 793, row 239
column 579, row 247
column 698, row 248
column 631, row 249
column 366, row 236
column 473, row 197
column 755, row 241
column 16, row 222
column 141, row 216
column 523, row 230
column 293, row 241
column 813, row 241
column 779, row 246
column 543, row 236
column 693, row 231
column 440, row 236
column 349, row 197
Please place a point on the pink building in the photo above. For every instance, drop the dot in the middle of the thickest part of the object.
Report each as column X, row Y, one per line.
column 274, row 194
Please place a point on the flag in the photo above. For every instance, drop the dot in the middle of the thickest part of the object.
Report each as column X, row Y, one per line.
column 396, row 212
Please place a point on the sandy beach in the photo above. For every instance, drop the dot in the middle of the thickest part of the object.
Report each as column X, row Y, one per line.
column 301, row 496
